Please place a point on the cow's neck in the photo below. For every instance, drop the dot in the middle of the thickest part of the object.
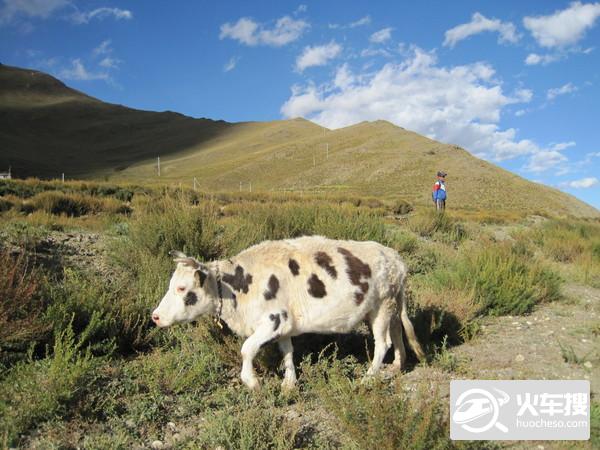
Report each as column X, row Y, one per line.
column 225, row 299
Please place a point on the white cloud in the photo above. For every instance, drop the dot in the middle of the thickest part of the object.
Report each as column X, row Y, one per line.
column 563, row 28
column 520, row 112
column 583, row 183
column 30, row 8
column 366, row 20
column 544, row 160
column 100, row 14
column 77, row 71
column 343, row 77
column 231, row 64
column 534, row 59
column 301, row 9
column 460, row 104
column 249, row 32
column 565, row 89
column 110, row 63
column 103, row 48
column 318, row 55
column 478, row 24
column 563, row 145
column 367, row 52
column 381, row 36
column 43, row 9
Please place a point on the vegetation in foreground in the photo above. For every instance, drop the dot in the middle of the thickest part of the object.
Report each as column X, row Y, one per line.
column 81, row 365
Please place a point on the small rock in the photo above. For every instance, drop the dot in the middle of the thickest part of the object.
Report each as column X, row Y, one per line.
column 563, row 328
column 171, row 426
column 218, row 447
column 529, row 323
column 515, row 323
column 157, row 445
column 176, row 437
column 547, row 318
column 130, row 423
column 584, row 340
column 588, row 365
column 518, row 328
column 292, row 414
column 540, row 447
column 519, row 358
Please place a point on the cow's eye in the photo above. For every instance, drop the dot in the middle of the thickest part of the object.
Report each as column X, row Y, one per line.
column 181, row 289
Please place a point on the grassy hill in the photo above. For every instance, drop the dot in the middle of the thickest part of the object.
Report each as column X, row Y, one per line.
column 49, row 128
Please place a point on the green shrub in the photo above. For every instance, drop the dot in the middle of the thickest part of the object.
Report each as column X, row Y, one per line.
column 74, row 205
column 36, row 391
column 401, row 207
column 110, row 310
column 431, row 224
column 255, row 223
column 248, row 421
column 21, row 307
column 163, row 224
column 376, row 414
column 5, row 204
column 503, row 282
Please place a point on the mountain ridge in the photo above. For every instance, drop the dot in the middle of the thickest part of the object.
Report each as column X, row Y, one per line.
column 50, row 129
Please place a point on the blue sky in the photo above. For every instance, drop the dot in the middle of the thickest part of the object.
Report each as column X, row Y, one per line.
column 516, row 83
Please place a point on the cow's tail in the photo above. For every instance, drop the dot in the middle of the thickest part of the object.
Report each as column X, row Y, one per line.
column 407, row 324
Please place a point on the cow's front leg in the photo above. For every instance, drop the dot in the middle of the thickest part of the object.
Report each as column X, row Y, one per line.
column 267, row 331
column 287, row 349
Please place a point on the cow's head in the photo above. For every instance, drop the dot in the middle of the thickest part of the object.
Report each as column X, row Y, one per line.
column 187, row 296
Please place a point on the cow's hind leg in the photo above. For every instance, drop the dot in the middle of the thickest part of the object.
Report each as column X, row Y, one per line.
column 397, row 340
column 287, row 349
column 380, row 325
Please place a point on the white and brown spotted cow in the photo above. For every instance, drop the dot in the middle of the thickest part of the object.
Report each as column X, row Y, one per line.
column 279, row 289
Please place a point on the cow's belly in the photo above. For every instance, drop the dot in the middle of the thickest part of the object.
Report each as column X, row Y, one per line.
column 323, row 317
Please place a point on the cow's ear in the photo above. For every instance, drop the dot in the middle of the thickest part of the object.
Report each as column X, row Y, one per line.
column 201, row 275
column 188, row 261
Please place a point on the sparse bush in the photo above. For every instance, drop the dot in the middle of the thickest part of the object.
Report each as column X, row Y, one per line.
column 401, row 207
column 74, row 205
column 5, row 204
column 503, row 281
column 256, row 223
column 21, row 307
column 376, row 414
column 432, row 224
column 37, row 391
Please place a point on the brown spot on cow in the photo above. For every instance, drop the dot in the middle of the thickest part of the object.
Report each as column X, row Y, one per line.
column 316, row 288
column 294, row 266
column 190, row 299
column 325, row 261
column 276, row 321
column 272, row 288
column 357, row 269
column 239, row 281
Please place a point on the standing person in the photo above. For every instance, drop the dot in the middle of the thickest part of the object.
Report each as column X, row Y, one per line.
column 439, row 192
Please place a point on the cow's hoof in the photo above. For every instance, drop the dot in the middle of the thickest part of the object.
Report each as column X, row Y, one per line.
column 252, row 383
column 288, row 385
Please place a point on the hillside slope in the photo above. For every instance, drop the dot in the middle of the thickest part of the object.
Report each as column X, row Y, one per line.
column 48, row 128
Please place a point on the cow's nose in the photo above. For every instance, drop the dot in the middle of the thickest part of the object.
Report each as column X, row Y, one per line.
column 155, row 318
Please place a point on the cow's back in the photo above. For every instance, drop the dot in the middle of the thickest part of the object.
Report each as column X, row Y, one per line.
column 324, row 285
